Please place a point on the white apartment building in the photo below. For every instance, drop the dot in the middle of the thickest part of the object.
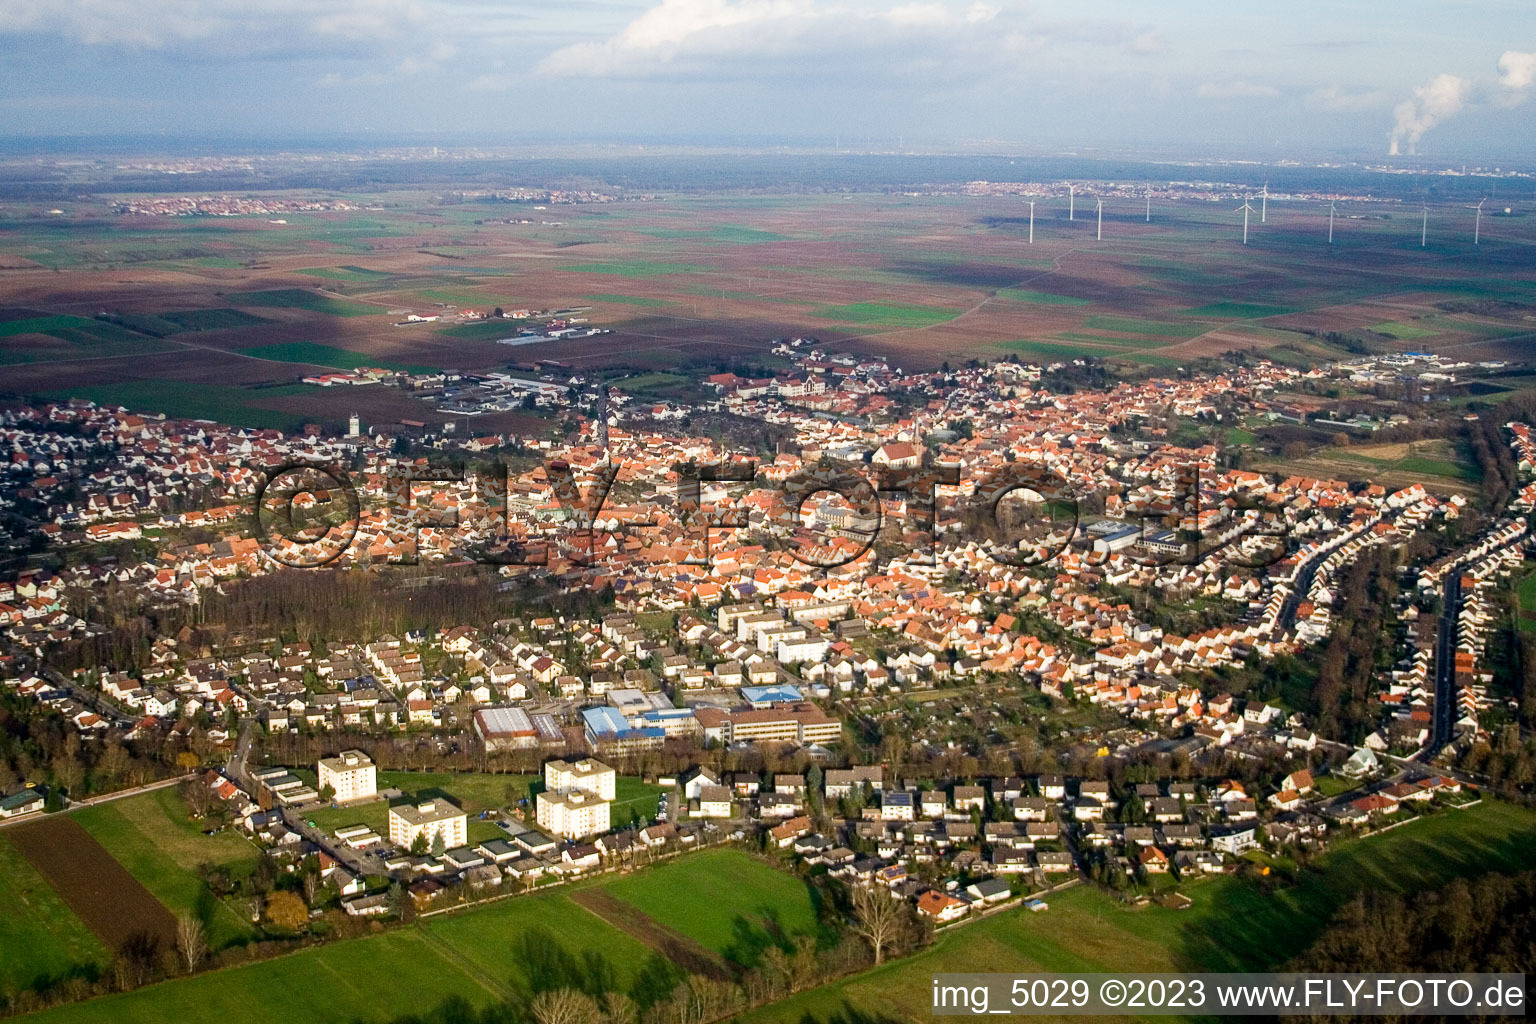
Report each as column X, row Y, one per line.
column 430, row 818
column 574, row 815
column 351, row 774
column 586, row 775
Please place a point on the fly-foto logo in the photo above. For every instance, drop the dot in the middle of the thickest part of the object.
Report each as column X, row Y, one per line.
column 824, row 515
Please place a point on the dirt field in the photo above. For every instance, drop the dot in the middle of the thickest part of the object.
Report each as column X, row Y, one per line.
column 96, row 887
column 678, row 948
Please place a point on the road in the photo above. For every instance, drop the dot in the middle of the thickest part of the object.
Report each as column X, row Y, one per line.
column 121, row 794
column 235, row 767
column 93, row 699
column 1445, row 666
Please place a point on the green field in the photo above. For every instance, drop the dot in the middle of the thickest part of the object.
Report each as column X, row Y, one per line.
column 1234, row 925
column 347, row 273
column 1040, row 298
column 495, row 953
column 888, row 314
column 726, row 234
column 1526, row 595
column 41, row 937
column 476, row 793
column 153, row 838
column 722, row 899
column 212, row 319
column 1403, row 332
column 316, row 354
column 1137, row 325
column 1240, row 310
column 629, row 300
column 42, row 324
column 637, row 268
column 174, row 398
column 298, row 298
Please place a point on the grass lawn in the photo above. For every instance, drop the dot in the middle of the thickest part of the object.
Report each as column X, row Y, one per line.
column 40, row 936
column 1526, row 595
column 888, row 314
column 476, row 793
column 298, row 298
column 498, row 952
column 1040, row 298
column 1240, row 310
column 722, row 899
column 152, row 837
column 316, row 354
column 1403, row 332
column 1233, row 925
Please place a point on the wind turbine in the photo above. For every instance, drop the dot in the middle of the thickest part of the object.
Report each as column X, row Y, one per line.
column 1245, row 210
column 1149, row 204
column 1031, row 222
column 1101, row 220
column 1424, row 228
column 1071, row 202
column 1332, row 209
column 1264, row 204
column 1477, row 225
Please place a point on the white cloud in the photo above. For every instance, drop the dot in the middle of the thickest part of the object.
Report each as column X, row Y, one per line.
column 1235, row 89
column 1338, row 98
column 1517, row 70
column 1432, row 102
column 257, row 25
column 722, row 37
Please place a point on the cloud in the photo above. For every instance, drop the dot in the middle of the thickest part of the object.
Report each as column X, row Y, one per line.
column 1338, row 98
column 1517, row 70
column 806, row 38
column 229, row 25
column 1234, row 89
column 1433, row 102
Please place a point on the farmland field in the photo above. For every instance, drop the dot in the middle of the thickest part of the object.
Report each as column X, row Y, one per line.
column 42, row 937
column 706, row 281
column 489, row 954
column 725, row 900
column 152, row 837
column 297, row 298
column 1232, row 926
column 111, row 902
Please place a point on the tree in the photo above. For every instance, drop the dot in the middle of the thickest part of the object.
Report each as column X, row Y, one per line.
column 191, row 941
column 287, row 911
column 498, row 313
column 439, row 844
column 564, row 1006
column 876, row 919
column 420, row 845
column 327, row 792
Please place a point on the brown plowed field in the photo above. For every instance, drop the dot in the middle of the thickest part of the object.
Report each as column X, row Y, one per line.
column 96, row 887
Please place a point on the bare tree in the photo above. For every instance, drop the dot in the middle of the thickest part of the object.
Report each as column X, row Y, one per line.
column 564, row 1006
column 618, row 1008
column 191, row 941
column 877, row 919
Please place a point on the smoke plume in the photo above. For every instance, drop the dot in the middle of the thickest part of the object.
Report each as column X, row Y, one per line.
column 1432, row 102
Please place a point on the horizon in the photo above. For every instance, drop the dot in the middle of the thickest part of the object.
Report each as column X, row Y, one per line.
column 930, row 77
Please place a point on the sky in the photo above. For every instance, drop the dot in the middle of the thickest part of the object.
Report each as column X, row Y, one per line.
column 1441, row 80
